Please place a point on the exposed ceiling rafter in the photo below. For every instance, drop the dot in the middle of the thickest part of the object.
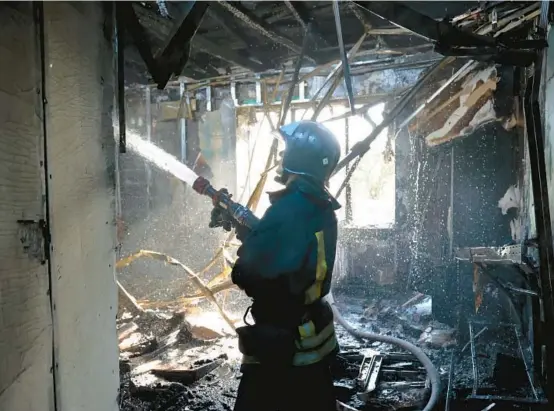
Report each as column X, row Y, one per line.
column 174, row 54
column 225, row 53
column 256, row 23
column 452, row 41
column 303, row 16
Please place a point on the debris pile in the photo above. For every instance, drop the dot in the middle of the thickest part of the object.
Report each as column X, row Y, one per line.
column 169, row 363
column 175, row 362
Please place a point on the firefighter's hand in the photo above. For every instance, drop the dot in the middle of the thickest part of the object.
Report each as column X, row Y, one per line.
column 221, row 218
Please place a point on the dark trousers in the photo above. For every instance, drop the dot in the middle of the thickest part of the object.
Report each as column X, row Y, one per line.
column 308, row 388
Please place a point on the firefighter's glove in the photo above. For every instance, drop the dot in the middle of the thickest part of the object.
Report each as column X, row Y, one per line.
column 220, row 217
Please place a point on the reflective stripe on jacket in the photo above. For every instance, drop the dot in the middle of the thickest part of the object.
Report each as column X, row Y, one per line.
column 286, row 264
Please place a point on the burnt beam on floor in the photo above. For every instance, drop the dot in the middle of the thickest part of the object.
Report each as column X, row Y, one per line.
column 226, row 53
column 303, row 16
column 257, row 24
column 174, row 55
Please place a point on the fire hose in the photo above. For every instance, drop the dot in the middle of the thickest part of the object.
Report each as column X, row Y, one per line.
column 243, row 216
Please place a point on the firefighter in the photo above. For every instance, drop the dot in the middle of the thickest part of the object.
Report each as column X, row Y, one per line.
column 285, row 264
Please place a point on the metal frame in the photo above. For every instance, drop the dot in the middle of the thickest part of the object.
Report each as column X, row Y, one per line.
column 120, row 50
column 537, row 160
column 344, row 57
column 535, row 399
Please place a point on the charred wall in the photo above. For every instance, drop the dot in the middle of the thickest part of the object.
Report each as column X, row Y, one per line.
column 58, row 345
column 452, row 201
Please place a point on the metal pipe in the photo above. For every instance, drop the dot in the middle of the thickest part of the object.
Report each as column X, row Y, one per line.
column 451, row 206
column 527, row 370
column 344, row 57
column 120, row 46
column 360, row 148
column 348, row 194
column 476, row 336
column 147, row 168
column 336, row 69
column 473, row 360
column 183, row 128
column 295, row 75
column 209, row 98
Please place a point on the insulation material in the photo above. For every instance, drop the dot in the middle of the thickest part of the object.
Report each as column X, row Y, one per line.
column 512, row 199
column 474, row 107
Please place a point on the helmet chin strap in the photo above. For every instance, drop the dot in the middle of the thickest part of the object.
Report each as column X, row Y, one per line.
column 282, row 177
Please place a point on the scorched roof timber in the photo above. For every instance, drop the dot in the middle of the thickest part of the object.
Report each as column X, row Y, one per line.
column 202, row 39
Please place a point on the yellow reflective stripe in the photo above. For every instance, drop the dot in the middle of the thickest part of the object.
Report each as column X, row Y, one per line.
column 314, row 292
column 304, row 357
column 311, row 357
column 316, row 340
column 307, row 330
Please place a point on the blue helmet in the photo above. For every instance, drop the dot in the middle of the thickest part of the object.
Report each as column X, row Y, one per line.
column 310, row 149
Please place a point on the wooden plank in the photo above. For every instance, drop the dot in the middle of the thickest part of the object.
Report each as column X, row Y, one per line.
column 26, row 382
column 81, row 154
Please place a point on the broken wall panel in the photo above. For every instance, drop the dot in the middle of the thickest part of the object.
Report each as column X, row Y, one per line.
column 475, row 100
column 79, row 63
column 26, row 380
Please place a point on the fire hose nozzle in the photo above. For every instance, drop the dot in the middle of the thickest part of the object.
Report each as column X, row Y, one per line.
column 201, row 185
column 221, row 198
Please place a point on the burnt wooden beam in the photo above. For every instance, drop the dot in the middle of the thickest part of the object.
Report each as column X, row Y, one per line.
column 303, row 16
column 218, row 15
column 129, row 20
column 437, row 31
column 227, row 54
column 259, row 25
column 362, row 18
column 202, row 62
column 174, row 55
column 453, row 41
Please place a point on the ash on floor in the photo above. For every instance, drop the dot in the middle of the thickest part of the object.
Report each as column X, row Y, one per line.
column 161, row 378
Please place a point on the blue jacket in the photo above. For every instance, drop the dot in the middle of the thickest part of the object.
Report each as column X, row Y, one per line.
column 285, row 263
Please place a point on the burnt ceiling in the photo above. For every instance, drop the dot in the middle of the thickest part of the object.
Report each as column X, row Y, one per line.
column 205, row 39
column 200, row 40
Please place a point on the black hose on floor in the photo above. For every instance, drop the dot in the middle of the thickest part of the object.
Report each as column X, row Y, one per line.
column 432, row 372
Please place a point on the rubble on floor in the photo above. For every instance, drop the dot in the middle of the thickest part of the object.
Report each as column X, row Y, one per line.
column 183, row 363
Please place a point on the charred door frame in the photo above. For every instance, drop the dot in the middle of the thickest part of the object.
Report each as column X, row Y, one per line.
column 535, row 139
